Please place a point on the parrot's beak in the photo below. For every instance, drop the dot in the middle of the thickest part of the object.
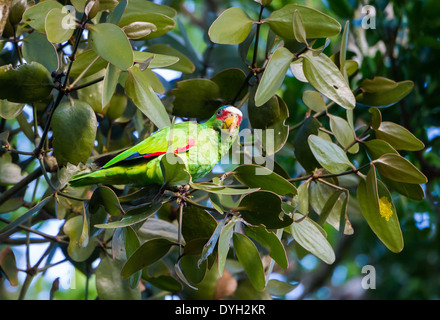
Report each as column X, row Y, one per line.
column 231, row 122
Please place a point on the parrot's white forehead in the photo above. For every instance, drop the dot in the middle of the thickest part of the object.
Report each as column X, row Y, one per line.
column 234, row 110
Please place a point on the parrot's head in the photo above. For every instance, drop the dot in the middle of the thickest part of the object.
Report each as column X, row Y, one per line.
column 230, row 118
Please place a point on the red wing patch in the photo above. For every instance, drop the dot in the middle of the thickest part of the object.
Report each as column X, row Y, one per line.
column 191, row 143
column 154, row 154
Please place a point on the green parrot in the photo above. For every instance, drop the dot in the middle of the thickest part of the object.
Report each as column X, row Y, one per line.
column 200, row 146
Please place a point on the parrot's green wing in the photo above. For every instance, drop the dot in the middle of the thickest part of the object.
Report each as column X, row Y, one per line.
column 184, row 138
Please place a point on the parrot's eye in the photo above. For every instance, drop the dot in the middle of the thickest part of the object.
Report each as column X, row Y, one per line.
column 219, row 113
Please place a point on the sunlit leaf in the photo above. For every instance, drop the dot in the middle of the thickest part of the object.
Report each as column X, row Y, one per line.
column 273, row 75
column 316, row 24
column 308, row 236
column 325, row 77
column 231, row 27
column 369, row 194
column 329, row 155
column 110, row 42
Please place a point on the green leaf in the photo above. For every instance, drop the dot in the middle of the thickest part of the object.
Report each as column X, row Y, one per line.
column 148, row 11
column 269, row 239
column 174, row 170
column 368, row 194
column 329, row 155
column 381, row 92
column 179, row 272
column 377, row 148
column 59, row 25
column 397, row 168
column 228, row 81
column 299, row 30
column 343, row 51
column 249, row 258
column 296, row 67
column 307, row 235
column 164, row 282
column 148, row 253
column 273, row 75
column 184, row 64
column 110, row 82
column 90, row 219
column 10, row 110
column 193, row 271
column 110, row 285
column 138, row 29
column 325, row 77
column 8, row 266
column 303, row 153
column 195, row 98
column 143, row 7
column 110, row 42
column 139, row 90
column 163, row 23
column 221, row 190
column 378, row 84
column 11, row 205
column 270, row 117
column 319, row 195
column 231, row 27
column 92, row 95
column 263, row 207
column 410, row 190
column 10, row 173
column 73, row 143
column 209, row 246
column 37, row 48
column 279, row 288
column 398, row 137
column 343, row 132
column 27, row 84
column 316, row 24
column 158, row 228
column 197, row 223
column 314, row 101
column 132, row 217
column 132, row 243
column 376, row 118
column 255, row 176
column 35, row 15
column 302, row 200
column 116, row 14
column 83, row 60
column 224, row 241
column 73, row 228
column 155, row 60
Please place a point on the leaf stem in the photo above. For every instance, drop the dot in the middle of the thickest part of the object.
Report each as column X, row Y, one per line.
column 257, row 37
column 332, row 175
column 82, row 75
column 17, row 48
column 86, row 84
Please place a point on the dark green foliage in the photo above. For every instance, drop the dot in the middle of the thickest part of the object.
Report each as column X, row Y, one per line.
column 336, row 140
